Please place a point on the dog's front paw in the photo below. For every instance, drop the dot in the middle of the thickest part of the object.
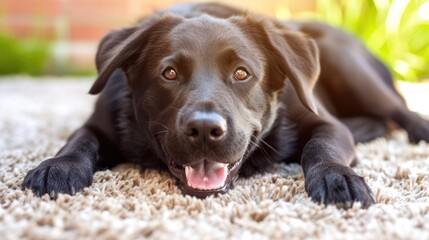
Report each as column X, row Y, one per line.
column 337, row 184
column 59, row 175
column 419, row 131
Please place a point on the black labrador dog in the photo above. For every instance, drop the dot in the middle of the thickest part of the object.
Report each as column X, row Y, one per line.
column 209, row 91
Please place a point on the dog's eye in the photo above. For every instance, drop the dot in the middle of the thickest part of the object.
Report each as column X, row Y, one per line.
column 170, row 74
column 241, row 74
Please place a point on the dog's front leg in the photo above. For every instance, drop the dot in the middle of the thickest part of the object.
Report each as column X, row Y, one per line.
column 326, row 159
column 70, row 170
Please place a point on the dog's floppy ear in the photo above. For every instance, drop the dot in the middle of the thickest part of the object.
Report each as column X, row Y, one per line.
column 121, row 47
column 301, row 59
column 290, row 54
column 109, row 42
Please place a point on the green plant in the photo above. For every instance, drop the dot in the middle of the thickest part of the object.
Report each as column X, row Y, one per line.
column 27, row 56
column 397, row 31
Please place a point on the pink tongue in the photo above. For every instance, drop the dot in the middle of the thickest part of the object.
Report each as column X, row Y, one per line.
column 207, row 175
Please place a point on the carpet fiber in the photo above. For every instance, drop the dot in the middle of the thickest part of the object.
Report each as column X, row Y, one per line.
column 127, row 202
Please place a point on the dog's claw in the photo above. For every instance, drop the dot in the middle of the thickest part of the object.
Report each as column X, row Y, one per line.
column 52, row 194
column 73, row 190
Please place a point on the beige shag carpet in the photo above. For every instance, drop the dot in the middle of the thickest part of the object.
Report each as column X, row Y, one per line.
column 127, row 202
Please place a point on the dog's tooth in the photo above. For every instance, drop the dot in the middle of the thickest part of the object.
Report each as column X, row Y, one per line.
column 188, row 170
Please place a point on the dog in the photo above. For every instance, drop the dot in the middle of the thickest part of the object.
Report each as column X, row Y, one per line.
column 210, row 92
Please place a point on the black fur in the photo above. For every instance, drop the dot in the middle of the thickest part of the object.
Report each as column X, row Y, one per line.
column 311, row 91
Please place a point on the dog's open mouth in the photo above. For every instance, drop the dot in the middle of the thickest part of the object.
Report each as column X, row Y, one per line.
column 206, row 177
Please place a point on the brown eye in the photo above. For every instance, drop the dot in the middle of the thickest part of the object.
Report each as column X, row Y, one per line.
column 170, row 74
column 241, row 74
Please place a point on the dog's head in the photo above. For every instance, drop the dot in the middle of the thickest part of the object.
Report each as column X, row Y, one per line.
column 206, row 88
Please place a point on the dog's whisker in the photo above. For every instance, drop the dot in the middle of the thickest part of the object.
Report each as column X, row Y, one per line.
column 269, row 146
column 164, row 131
column 160, row 124
column 267, row 156
column 159, row 137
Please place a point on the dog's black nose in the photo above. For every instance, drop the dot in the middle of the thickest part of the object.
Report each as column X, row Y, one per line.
column 205, row 127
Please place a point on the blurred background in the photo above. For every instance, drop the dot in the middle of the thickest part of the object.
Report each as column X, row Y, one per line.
column 59, row 37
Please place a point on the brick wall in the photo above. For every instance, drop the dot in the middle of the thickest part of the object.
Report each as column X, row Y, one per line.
column 77, row 25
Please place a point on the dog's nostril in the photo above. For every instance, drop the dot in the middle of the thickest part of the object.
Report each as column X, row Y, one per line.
column 192, row 132
column 217, row 133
